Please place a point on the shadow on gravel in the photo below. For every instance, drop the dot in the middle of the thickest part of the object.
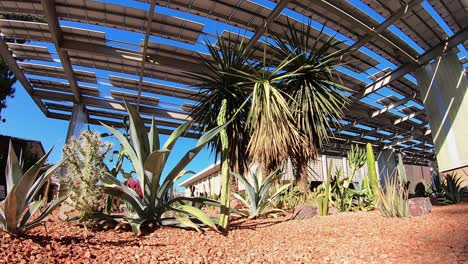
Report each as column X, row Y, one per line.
column 75, row 240
column 255, row 224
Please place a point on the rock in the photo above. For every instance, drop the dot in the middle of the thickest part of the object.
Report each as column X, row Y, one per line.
column 236, row 204
column 304, row 212
column 419, row 206
column 64, row 211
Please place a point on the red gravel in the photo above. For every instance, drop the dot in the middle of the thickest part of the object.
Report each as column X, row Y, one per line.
column 362, row 237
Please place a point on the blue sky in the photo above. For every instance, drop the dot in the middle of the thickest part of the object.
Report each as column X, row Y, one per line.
column 24, row 119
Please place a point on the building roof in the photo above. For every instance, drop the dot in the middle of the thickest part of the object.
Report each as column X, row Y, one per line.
column 82, row 53
column 213, row 168
column 24, row 140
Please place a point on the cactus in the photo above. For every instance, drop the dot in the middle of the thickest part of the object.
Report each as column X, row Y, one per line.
column 225, row 181
column 401, row 170
column 325, row 197
column 373, row 178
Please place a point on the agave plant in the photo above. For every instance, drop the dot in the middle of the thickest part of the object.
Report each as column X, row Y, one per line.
column 393, row 199
column 149, row 160
column 452, row 190
column 258, row 194
column 20, row 203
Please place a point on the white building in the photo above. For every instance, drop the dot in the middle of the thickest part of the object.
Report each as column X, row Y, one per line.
column 208, row 181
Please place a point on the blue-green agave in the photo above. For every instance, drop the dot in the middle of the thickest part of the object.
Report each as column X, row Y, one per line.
column 22, row 189
column 259, row 195
column 149, row 160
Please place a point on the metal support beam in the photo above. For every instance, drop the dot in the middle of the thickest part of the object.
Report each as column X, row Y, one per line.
column 391, row 106
column 11, row 62
column 383, row 26
column 145, row 48
column 350, row 125
column 57, row 37
column 399, row 141
column 432, row 53
column 270, row 19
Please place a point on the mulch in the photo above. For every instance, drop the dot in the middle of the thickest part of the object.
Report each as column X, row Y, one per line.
column 355, row 237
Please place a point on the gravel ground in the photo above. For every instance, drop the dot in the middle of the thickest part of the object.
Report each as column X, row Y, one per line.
column 360, row 237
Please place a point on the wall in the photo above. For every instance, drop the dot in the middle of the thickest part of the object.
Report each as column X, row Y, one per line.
column 317, row 172
column 417, row 174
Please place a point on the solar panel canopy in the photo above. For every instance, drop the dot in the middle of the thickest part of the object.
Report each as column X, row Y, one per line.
column 100, row 53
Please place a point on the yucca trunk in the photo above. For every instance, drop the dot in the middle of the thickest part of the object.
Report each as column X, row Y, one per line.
column 301, row 176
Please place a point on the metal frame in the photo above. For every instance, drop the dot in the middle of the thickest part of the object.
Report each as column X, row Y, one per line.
column 153, row 62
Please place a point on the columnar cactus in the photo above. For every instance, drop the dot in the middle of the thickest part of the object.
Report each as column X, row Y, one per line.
column 401, row 170
column 373, row 178
column 225, row 181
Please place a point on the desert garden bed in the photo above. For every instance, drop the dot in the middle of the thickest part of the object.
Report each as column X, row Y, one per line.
column 355, row 237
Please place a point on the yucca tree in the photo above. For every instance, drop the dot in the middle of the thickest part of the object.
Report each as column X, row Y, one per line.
column 315, row 92
column 270, row 123
column 217, row 83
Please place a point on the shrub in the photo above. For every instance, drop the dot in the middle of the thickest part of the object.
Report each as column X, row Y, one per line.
column 85, row 168
column 393, row 199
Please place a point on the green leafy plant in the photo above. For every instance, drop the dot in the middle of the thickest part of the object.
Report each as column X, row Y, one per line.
column 259, row 197
column 20, row 203
column 323, row 199
column 452, row 191
column 293, row 197
column 85, row 168
column 341, row 193
column 345, row 194
column 393, row 199
column 149, row 160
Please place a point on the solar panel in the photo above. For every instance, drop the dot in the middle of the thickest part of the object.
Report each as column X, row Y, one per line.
column 388, row 100
column 29, row 52
column 452, row 12
column 40, row 32
column 129, row 97
column 155, row 49
column 128, row 66
column 56, row 72
column 127, row 18
column 155, row 88
column 187, row 107
column 63, row 87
